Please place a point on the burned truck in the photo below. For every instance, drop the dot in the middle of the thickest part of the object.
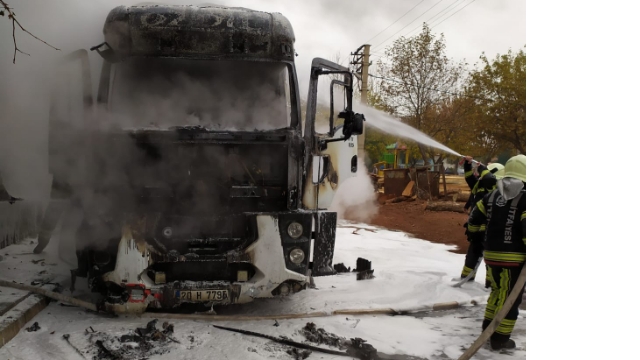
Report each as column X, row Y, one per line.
column 196, row 177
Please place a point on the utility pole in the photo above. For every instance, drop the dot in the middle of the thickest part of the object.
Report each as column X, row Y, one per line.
column 361, row 66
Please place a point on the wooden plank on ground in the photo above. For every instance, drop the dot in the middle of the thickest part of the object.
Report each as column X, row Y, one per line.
column 408, row 190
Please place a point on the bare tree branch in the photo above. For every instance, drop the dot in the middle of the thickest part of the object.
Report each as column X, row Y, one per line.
column 12, row 16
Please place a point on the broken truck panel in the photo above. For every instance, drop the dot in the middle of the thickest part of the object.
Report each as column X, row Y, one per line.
column 184, row 212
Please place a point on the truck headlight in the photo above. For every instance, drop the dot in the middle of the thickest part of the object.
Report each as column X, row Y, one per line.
column 296, row 256
column 295, row 230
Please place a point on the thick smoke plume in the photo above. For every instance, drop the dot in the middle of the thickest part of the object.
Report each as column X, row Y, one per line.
column 149, row 94
column 27, row 88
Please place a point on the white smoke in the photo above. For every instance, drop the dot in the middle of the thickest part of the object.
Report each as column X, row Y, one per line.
column 356, row 198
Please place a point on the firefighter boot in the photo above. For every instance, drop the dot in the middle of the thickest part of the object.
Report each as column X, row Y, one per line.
column 500, row 345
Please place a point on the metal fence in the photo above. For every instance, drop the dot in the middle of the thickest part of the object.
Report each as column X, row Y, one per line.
column 395, row 181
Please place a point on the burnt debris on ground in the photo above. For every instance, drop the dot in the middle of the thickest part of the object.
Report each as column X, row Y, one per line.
column 340, row 268
column 362, row 265
column 34, row 327
column 320, row 336
column 358, row 348
column 140, row 343
column 355, row 347
column 365, row 275
column 299, row 354
column 363, row 269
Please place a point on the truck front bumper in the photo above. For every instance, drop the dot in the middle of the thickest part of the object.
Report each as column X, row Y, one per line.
column 273, row 275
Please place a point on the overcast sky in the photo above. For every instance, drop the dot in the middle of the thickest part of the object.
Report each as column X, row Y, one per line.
column 323, row 28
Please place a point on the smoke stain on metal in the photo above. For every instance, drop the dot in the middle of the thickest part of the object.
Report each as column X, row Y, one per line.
column 203, row 31
column 183, row 207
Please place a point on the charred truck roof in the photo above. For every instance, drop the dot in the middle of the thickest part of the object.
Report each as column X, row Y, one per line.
column 204, row 32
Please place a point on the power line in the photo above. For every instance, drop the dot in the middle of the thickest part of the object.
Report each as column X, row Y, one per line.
column 453, row 14
column 433, row 17
column 410, row 22
column 427, row 21
column 395, row 21
column 445, row 10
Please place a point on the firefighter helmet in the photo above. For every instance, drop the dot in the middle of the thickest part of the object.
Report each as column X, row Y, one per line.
column 516, row 167
column 499, row 172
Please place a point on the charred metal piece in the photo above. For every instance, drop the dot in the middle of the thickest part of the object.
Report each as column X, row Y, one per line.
column 340, row 268
column 363, row 268
column 362, row 265
column 365, row 275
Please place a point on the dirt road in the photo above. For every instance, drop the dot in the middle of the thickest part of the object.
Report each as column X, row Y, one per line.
column 436, row 226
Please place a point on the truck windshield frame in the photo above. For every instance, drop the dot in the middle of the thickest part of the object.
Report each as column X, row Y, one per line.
column 217, row 95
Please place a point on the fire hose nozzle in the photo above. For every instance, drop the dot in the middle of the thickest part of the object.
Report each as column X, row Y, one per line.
column 472, row 160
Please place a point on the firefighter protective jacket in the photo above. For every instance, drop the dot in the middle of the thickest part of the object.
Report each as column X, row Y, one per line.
column 503, row 223
column 479, row 186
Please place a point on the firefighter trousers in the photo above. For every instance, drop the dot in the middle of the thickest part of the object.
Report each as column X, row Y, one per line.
column 502, row 279
column 474, row 253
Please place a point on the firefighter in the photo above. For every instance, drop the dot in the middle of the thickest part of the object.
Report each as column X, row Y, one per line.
column 481, row 185
column 479, row 188
column 503, row 213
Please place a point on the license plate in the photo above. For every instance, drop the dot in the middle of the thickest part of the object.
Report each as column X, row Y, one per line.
column 202, row 295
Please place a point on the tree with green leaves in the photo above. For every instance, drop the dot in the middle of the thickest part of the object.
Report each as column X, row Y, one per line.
column 500, row 93
column 419, row 80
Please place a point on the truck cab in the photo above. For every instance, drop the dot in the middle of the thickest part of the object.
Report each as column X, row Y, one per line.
column 196, row 176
